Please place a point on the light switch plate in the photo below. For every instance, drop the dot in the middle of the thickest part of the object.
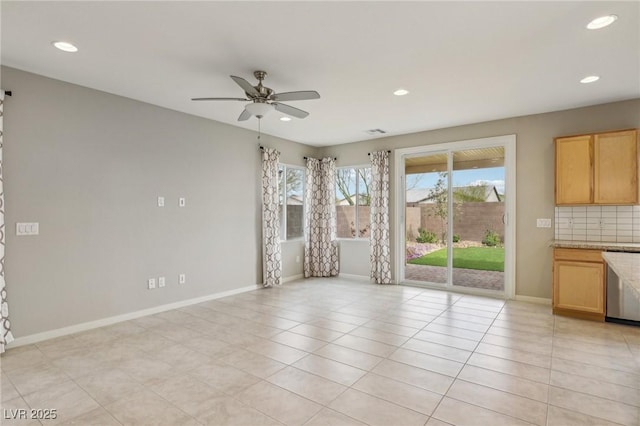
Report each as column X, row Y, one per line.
column 151, row 283
column 182, row 201
column 160, row 201
column 182, row 278
column 161, row 282
column 543, row 223
column 27, row 228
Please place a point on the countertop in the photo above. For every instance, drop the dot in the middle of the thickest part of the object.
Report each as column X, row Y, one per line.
column 627, row 268
column 597, row 245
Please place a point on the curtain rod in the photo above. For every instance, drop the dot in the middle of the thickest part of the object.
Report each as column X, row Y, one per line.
column 368, row 153
column 334, row 158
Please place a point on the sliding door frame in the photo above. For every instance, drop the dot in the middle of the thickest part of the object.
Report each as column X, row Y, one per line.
column 509, row 144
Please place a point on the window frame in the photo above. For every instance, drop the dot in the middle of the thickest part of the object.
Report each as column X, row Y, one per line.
column 357, row 208
column 283, row 193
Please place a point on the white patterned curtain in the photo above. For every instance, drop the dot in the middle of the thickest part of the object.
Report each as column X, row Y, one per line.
column 380, row 244
column 320, row 243
column 271, row 255
column 5, row 326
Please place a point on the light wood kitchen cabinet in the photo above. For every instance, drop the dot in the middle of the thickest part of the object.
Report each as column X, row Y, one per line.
column 599, row 168
column 615, row 168
column 579, row 283
column 574, row 176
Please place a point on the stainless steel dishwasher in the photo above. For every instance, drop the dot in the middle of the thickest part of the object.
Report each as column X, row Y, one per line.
column 623, row 305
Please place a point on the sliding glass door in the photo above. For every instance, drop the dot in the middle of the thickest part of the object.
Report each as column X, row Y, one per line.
column 478, row 218
column 453, row 215
column 426, row 199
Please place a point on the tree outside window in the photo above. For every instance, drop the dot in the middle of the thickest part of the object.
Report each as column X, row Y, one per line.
column 353, row 200
column 291, row 202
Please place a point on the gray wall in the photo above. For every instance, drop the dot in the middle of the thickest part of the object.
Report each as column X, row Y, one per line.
column 534, row 160
column 89, row 166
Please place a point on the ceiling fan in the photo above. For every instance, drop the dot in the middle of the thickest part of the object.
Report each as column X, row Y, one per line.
column 263, row 99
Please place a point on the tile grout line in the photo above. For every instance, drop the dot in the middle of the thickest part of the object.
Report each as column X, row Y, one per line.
column 491, row 387
column 465, row 364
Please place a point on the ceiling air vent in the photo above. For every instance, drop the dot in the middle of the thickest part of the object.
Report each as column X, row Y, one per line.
column 376, row 132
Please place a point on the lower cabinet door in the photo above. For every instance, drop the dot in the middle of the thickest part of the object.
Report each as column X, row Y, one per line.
column 578, row 286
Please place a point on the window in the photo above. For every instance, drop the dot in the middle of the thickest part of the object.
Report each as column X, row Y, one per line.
column 291, row 202
column 353, row 201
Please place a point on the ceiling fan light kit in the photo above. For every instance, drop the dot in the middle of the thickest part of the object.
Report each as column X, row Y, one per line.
column 264, row 99
column 259, row 109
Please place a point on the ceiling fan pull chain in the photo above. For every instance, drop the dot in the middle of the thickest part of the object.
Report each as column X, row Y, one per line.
column 259, row 131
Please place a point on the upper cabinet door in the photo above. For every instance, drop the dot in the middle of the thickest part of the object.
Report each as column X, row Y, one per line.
column 616, row 167
column 574, row 165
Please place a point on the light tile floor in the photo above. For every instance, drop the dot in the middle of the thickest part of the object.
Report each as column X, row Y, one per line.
column 335, row 352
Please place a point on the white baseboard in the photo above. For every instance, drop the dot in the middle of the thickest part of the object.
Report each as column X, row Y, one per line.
column 531, row 299
column 354, row 277
column 341, row 275
column 46, row 335
column 292, row 278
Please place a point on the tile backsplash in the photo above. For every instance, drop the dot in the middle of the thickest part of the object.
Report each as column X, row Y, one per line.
column 609, row 224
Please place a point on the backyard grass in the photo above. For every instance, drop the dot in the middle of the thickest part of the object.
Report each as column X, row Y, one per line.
column 482, row 258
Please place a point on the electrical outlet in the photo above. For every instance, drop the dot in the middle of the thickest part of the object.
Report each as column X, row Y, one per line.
column 151, row 283
column 182, row 278
column 160, row 201
column 161, row 282
column 570, row 222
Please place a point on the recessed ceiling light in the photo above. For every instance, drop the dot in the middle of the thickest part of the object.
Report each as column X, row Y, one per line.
column 602, row 22
column 65, row 46
column 285, row 118
column 401, row 92
column 590, row 79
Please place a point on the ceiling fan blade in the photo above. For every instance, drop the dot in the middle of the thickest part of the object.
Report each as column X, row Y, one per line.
column 220, row 99
column 301, row 95
column 246, row 86
column 289, row 110
column 244, row 116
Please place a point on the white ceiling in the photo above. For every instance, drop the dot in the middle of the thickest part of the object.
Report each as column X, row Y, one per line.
column 463, row 62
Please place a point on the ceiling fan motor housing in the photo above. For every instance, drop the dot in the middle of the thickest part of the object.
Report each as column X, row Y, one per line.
column 264, row 92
